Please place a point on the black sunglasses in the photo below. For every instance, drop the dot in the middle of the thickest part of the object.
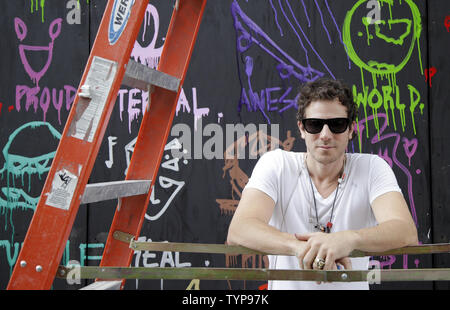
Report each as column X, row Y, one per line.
column 315, row 125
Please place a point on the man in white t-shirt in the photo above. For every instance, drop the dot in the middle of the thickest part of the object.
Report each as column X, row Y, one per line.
column 313, row 209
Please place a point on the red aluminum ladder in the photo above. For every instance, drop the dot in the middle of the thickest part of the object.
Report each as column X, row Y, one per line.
column 66, row 187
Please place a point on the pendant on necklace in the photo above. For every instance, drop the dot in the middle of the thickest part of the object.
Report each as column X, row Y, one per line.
column 324, row 229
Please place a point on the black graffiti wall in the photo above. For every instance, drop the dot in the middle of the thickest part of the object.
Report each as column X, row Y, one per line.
column 249, row 60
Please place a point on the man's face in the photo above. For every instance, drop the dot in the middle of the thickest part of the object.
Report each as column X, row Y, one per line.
column 326, row 147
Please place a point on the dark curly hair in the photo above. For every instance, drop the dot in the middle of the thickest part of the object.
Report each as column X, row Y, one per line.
column 325, row 89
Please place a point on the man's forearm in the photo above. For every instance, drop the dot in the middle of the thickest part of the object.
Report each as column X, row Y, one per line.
column 386, row 236
column 259, row 236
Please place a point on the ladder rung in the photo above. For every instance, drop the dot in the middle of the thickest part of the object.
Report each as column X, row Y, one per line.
column 111, row 190
column 140, row 76
column 103, row 286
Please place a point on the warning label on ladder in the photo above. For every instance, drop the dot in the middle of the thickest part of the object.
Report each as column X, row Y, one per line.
column 63, row 187
column 96, row 89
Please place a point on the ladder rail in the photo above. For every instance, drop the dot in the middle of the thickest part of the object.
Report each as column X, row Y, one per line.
column 180, row 39
column 75, row 156
column 66, row 184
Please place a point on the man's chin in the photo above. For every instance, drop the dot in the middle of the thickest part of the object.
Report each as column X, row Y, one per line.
column 326, row 157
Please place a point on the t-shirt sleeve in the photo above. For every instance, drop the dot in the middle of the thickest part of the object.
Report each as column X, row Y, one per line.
column 381, row 179
column 266, row 174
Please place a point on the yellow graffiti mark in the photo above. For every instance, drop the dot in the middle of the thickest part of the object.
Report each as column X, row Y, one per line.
column 194, row 285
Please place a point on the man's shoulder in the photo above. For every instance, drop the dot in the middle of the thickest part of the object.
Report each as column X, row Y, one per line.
column 368, row 161
column 283, row 155
column 281, row 160
column 362, row 156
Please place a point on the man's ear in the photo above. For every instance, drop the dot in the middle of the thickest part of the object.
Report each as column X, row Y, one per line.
column 351, row 132
column 301, row 129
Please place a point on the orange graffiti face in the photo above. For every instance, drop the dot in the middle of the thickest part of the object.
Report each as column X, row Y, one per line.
column 326, row 147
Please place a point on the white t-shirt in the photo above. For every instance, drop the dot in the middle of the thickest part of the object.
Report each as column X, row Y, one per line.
column 284, row 177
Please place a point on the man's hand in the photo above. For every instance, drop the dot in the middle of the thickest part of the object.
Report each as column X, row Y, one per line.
column 333, row 248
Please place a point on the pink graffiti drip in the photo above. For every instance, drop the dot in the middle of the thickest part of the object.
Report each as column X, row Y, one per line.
column 387, row 261
column 397, row 138
column 405, row 261
column 406, row 146
column 417, row 262
column 385, row 156
column 148, row 55
column 21, row 31
column 390, row 260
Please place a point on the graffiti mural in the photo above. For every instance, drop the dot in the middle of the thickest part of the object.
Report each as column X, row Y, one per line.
column 237, row 102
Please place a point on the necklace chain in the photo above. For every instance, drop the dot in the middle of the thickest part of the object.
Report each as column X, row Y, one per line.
column 329, row 225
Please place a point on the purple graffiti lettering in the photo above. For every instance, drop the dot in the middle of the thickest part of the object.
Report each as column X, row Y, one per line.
column 31, row 98
column 387, row 261
column 266, row 100
column 269, row 99
column 133, row 113
column 292, row 103
column 36, row 98
column 44, row 101
column 407, row 144
column 57, row 101
column 21, row 31
column 378, row 138
column 71, row 92
column 132, row 101
column 20, row 92
column 250, row 35
column 244, row 100
column 258, row 102
column 385, row 156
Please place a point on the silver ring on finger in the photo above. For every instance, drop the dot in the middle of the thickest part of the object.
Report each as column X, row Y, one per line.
column 319, row 263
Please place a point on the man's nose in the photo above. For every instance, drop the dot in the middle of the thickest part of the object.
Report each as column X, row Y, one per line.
column 326, row 133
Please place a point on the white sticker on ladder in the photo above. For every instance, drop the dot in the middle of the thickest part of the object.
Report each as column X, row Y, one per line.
column 99, row 80
column 63, row 187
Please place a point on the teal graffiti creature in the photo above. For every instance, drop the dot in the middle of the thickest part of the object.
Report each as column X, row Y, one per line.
column 19, row 171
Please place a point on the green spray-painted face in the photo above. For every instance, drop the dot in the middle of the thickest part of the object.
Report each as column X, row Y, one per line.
column 381, row 44
column 383, row 47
